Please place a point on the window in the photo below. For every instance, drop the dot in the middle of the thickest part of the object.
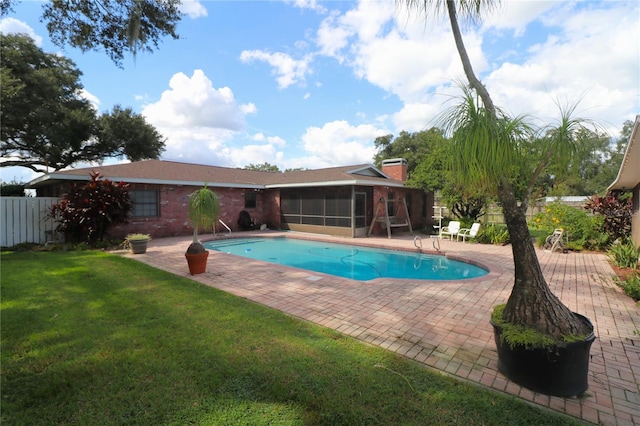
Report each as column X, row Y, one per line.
column 250, row 200
column 145, row 203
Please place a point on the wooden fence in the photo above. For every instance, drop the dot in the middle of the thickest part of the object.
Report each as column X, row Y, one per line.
column 494, row 215
column 25, row 220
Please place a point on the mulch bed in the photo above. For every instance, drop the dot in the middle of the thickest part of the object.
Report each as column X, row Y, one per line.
column 623, row 273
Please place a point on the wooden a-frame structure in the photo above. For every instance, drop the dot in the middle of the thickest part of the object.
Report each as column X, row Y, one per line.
column 387, row 221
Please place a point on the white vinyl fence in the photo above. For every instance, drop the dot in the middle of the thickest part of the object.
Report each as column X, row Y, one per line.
column 25, row 220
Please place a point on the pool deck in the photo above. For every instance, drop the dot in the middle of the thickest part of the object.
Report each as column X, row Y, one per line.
column 444, row 324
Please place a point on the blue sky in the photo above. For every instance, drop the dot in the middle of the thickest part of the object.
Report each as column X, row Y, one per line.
column 312, row 84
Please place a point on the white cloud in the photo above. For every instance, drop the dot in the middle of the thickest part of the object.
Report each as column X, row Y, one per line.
column 287, row 70
column 308, row 4
column 85, row 94
column 591, row 52
column 332, row 37
column 590, row 61
column 395, row 50
column 272, row 140
column 198, row 120
column 414, row 117
column 339, row 143
column 194, row 102
column 193, row 8
column 255, row 154
column 516, row 15
column 15, row 26
column 200, row 145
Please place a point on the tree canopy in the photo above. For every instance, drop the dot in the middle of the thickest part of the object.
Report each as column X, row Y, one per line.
column 123, row 133
column 427, row 153
column 264, row 167
column 46, row 124
column 116, row 26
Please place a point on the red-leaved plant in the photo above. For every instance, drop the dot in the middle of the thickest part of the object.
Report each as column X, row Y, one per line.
column 616, row 213
column 86, row 212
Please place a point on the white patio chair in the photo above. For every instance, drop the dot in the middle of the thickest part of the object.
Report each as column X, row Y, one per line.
column 451, row 229
column 468, row 232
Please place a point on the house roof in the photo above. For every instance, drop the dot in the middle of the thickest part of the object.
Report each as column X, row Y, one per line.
column 162, row 172
column 629, row 174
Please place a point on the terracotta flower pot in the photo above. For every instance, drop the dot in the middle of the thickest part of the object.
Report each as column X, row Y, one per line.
column 560, row 370
column 197, row 262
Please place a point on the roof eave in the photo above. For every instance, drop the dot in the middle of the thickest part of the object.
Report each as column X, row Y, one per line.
column 68, row 177
column 358, row 182
column 629, row 173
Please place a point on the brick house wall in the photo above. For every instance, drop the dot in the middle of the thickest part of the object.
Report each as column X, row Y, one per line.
column 173, row 199
column 173, row 211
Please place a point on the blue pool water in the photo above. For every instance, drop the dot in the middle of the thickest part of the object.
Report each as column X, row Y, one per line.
column 355, row 262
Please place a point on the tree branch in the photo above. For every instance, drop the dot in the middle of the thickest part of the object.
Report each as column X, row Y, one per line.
column 25, row 163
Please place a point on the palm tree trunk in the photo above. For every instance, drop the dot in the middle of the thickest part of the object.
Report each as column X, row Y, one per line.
column 531, row 302
column 466, row 62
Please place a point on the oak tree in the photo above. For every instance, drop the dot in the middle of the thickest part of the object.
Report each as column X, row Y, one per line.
column 116, row 26
column 45, row 123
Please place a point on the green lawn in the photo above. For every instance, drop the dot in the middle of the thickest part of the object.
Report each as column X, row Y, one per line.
column 91, row 338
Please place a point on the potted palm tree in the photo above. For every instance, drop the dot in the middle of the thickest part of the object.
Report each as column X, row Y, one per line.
column 203, row 213
column 137, row 243
column 502, row 156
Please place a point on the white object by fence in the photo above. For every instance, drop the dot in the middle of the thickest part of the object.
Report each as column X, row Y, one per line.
column 25, row 220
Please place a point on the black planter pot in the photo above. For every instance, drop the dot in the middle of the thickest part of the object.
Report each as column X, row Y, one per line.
column 560, row 370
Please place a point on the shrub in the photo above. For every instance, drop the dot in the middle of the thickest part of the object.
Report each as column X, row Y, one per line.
column 631, row 287
column 624, row 254
column 493, row 234
column 13, row 189
column 615, row 213
column 86, row 212
column 582, row 230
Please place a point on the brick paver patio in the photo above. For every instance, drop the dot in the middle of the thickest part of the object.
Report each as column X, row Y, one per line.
column 445, row 325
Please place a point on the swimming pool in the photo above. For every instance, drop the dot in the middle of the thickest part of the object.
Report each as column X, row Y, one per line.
column 355, row 262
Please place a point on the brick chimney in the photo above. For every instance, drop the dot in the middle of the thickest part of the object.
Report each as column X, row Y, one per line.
column 395, row 168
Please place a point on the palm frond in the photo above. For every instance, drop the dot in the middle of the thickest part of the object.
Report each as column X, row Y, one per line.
column 467, row 10
column 204, row 209
column 488, row 147
column 561, row 140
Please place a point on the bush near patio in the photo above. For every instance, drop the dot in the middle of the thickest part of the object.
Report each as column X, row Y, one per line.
column 624, row 256
column 616, row 211
column 631, row 286
column 493, row 234
column 583, row 231
column 87, row 210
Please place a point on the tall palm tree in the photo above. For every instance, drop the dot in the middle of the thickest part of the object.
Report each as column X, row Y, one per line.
column 495, row 154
